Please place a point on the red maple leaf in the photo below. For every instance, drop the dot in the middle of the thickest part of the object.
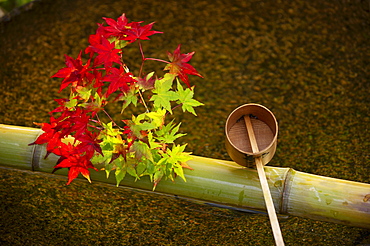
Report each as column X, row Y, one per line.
column 136, row 31
column 119, row 80
column 76, row 157
column 76, row 161
column 89, row 143
column 179, row 65
column 114, row 28
column 107, row 53
column 124, row 30
column 146, row 83
column 50, row 136
column 94, row 40
column 48, row 133
column 98, row 83
column 74, row 73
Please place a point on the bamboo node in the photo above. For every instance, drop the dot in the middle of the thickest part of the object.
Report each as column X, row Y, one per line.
column 366, row 198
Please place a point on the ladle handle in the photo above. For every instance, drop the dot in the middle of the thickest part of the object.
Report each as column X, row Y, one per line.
column 265, row 188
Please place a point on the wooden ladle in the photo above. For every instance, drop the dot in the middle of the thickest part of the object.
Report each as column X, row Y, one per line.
column 265, row 188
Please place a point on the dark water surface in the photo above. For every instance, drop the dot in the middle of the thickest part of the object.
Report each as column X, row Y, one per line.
column 308, row 61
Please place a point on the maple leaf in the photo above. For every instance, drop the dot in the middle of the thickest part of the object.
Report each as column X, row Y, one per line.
column 177, row 156
column 135, row 32
column 146, row 83
column 76, row 161
column 47, row 135
column 163, row 95
column 76, row 122
column 119, row 150
column 84, row 93
column 120, row 174
column 168, row 133
column 157, row 117
column 141, row 149
column 107, row 53
column 186, row 99
column 152, row 143
column 89, row 143
column 119, row 79
column 128, row 98
column 50, row 136
column 95, row 105
column 74, row 73
column 97, row 81
column 157, row 177
column 179, row 65
column 61, row 108
column 114, row 28
column 69, row 123
column 94, row 40
column 123, row 30
column 137, row 127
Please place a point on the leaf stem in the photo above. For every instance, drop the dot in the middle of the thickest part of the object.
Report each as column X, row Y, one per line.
column 178, row 105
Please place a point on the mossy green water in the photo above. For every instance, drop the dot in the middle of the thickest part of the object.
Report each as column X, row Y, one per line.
column 306, row 61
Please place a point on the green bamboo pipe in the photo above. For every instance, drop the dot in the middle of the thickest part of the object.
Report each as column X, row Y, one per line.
column 221, row 182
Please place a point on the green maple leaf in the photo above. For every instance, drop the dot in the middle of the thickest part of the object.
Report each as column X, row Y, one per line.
column 179, row 171
column 110, row 137
column 168, row 133
column 171, row 163
column 177, row 156
column 95, row 105
column 84, row 93
column 138, row 124
column 120, row 174
column 147, row 126
column 141, row 123
column 141, row 167
column 163, row 95
column 119, row 44
column 71, row 102
column 103, row 159
column 157, row 117
column 109, row 130
column 132, row 171
column 157, row 177
column 141, row 150
column 128, row 98
column 186, row 98
column 152, row 143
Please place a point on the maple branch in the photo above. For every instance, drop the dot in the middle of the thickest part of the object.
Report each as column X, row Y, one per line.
column 95, row 127
column 160, row 60
column 141, row 70
column 112, row 120
column 97, row 121
column 142, row 57
column 142, row 99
